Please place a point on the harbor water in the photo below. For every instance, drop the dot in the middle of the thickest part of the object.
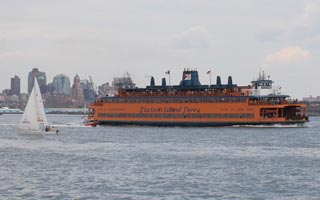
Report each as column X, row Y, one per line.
column 131, row 162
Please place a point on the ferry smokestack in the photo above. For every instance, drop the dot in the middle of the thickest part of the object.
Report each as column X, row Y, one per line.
column 164, row 84
column 218, row 80
column 190, row 78
column 230, row 81
column 152, row 84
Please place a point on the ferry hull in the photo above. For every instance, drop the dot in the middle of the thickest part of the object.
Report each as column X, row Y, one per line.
column 202, row 115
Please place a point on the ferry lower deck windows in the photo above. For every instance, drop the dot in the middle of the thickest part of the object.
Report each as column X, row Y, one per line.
column 173, row 115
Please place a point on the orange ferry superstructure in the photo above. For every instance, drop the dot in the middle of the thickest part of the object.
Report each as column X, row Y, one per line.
column 193, row 104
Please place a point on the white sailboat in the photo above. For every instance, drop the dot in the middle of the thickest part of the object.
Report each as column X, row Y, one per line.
column 34, row 117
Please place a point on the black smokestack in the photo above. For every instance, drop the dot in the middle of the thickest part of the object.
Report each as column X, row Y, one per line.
column 152, row 82
column 230, row 81
column 218, row 80
column 164, row 83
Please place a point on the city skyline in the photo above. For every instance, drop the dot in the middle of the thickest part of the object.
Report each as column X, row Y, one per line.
column 106, row 39
column 24, row 85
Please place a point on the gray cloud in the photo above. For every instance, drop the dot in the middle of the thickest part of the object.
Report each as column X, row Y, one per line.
column 194, row 37
column 303, row 28
column 288, row 55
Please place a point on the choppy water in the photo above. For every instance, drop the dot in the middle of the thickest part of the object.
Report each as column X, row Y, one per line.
column 159, row 163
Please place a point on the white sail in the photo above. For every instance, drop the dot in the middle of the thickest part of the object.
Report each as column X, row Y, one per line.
column 34, row 117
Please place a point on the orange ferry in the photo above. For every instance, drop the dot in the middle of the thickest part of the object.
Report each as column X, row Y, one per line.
column 193, row 104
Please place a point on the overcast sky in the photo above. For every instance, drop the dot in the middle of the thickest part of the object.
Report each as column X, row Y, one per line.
column 107, row 38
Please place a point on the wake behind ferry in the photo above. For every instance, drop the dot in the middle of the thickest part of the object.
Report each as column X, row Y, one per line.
column 193, row 104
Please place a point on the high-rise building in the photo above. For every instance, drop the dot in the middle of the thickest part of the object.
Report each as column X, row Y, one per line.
column 41, row 77
column 77, row 91
column 106, row 90
column 61, row 84
column 88, row 90
column 123, row 82
column 15, row 85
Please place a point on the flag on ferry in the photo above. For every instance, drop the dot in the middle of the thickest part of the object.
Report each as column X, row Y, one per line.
column 187, row 77
column 209, row 72
column 168, row 72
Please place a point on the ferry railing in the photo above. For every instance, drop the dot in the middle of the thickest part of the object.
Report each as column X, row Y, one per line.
column 272, row 102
